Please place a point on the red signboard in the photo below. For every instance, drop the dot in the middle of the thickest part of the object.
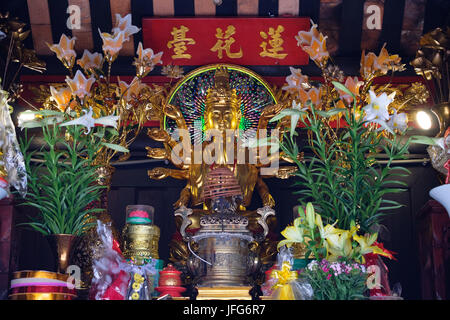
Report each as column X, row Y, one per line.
column 243, row 41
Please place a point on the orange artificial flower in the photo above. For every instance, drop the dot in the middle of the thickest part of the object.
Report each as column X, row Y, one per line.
column 90, row 61
column 65, row 50
column 373, row 65
column 317, row 51
column 62, row 97
column 313, row 43
column 112, row 43
column 171, row 71
column 306, row 37
column 148, row 55
column 313, row 94
column 385, row 60
column 296, row 81
column 132, row 90
column 352, row 84
column 79, row 85
column 124, row 25
column 367, row 64
column 146, row 60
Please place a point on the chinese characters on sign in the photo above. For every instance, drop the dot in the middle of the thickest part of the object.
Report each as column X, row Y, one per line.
column 229, row 40
column 179, row 41
column 250, row 41
column 275, row 43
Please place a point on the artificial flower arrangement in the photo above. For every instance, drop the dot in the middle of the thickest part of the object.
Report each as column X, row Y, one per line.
column 432, row 63
column 61, row 174
column 338, row 269
column 349, row 124
column 15, row 57
column 91, row 89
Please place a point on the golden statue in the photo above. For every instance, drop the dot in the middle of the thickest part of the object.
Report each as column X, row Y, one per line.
column 222, row 114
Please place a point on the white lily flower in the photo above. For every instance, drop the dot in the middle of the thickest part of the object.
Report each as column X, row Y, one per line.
column 296, row 116
column 89, row 122
column 108, row 121
column 398, row 121
column 377, row 109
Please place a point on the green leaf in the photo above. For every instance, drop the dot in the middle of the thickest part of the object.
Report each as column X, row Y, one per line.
column 343, row 88
column 331, row 112
column 112, row 131
column 115, row 147
column 287, row 112
column 424, row 140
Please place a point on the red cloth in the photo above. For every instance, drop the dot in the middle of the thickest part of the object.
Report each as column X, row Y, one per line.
column 114, row 290
column 380, row 271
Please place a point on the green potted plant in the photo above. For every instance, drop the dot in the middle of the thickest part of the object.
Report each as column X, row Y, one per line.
column 343, row 178
column 61, row 175
column 349, row 122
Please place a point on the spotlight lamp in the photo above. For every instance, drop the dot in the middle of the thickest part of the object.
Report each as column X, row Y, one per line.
column 424, row 120
column 442, row 112
column 435, row 117
column 432, row 63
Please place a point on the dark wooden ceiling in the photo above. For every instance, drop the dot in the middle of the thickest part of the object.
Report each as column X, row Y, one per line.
column 351, row 25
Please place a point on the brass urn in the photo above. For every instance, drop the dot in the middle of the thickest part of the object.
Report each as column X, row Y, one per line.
column 140, row 242
column 140, row 235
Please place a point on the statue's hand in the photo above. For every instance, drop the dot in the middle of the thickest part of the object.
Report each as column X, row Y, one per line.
column 272, row 110
column 158, row 173
column 267, row 200
column 156, row 153
column 182, row 201
column 158, row 134
column 173, row 112
column 185, row 196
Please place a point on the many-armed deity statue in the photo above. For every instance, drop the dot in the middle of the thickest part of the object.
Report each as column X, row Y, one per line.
column 209, row 117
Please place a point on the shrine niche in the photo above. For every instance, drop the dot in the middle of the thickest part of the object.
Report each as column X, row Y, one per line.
column 222, row 150
column 223, row 98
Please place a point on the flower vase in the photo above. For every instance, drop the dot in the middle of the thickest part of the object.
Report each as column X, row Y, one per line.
column 61, row 245
column 89, row 247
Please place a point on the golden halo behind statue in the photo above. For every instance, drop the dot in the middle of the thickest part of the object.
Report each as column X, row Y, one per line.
column 189, row 96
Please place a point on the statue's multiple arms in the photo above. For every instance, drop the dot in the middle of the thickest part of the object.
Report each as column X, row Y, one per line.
column 263, row 191
column 185, row 197
column 161, row 173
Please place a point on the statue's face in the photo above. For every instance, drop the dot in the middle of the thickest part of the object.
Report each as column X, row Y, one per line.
column 222, row 118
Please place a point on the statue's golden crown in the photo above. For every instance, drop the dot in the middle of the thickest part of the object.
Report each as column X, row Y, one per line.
column 222, row 94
